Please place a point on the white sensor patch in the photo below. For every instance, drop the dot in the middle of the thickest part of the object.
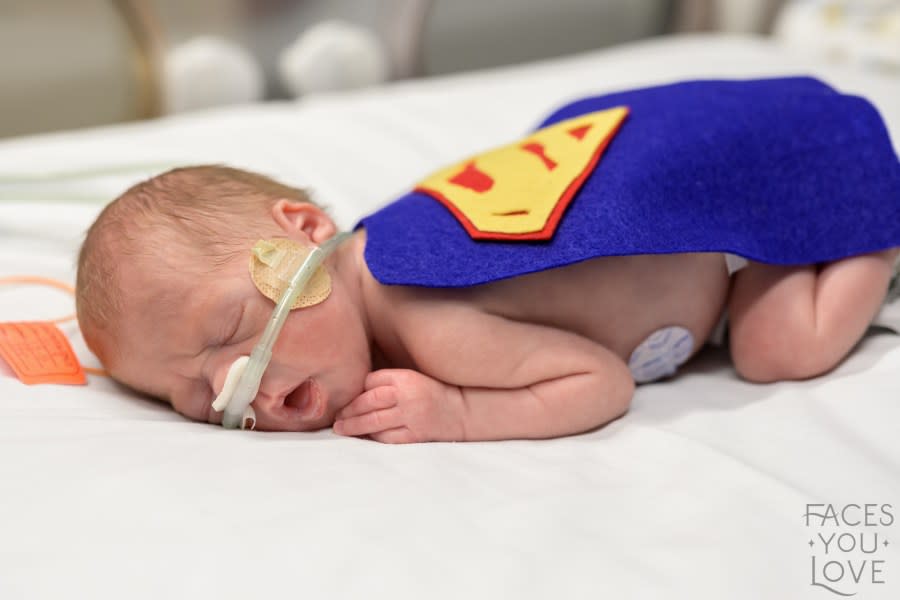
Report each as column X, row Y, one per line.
column 661, row 354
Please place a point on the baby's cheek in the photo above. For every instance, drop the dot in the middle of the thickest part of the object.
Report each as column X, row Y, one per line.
column 194, row 401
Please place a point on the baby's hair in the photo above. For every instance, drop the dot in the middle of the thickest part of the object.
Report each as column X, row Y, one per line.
column 208, row 212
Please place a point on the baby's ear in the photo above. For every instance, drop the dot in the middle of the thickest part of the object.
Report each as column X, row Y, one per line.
column 303, row 218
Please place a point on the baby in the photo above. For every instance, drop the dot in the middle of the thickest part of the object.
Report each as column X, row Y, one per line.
column 165, row 301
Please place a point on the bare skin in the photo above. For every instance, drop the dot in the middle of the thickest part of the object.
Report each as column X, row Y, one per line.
column 541, row 355
column 537, row 356
column 799, row 322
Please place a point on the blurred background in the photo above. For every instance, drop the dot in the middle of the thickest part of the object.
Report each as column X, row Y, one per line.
column 74, row 63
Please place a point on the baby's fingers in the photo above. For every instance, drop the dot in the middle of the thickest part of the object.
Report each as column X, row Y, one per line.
column 368, row 423
column 392, row 377
column 400, row 435
column 375, row 399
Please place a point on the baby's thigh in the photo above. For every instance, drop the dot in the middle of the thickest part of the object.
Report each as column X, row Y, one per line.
column 800, row 321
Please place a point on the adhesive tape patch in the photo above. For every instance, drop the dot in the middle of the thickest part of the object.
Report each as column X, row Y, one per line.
column 273, row 263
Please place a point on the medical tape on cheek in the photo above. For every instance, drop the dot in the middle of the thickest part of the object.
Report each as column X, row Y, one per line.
column 272, row 265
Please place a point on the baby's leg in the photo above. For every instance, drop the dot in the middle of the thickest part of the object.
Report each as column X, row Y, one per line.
column 799, row 322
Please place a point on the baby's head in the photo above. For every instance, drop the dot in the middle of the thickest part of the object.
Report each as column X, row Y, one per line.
column 166, row 301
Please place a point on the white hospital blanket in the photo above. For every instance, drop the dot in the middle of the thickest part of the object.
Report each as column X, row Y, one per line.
column 699, row 492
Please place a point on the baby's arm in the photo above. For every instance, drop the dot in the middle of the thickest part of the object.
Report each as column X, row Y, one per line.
column 490, row 379
column 799, row 322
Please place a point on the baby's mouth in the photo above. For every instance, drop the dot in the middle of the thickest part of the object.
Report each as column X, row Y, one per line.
column 307, row 398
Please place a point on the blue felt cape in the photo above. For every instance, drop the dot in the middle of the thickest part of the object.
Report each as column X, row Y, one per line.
column 783, row 171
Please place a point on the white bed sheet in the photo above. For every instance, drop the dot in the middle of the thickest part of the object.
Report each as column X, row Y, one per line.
column 699, row 492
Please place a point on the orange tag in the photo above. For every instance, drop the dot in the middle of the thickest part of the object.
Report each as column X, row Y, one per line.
column 39, row 352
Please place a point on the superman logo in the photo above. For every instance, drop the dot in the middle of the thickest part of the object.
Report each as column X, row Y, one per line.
column 520, row 191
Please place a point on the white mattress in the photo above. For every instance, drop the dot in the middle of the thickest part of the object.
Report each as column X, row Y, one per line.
column 699, row 492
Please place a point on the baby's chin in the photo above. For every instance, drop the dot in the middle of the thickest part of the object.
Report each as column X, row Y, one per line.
column 306, row 425
column 295, row 427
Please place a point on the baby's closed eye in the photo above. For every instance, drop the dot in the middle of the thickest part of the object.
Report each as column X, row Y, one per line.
column 226, row 328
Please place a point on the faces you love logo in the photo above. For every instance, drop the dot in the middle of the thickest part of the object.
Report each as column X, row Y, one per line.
column 848, row 545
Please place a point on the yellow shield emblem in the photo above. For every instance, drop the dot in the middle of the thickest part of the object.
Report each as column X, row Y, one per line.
column 520, row 191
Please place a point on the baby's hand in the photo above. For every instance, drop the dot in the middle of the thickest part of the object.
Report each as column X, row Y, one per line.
column 401, row 406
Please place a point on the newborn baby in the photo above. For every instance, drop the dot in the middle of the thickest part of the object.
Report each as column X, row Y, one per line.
column 166, row 302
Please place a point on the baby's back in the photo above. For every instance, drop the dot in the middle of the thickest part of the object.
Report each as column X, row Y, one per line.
column 615, row 301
